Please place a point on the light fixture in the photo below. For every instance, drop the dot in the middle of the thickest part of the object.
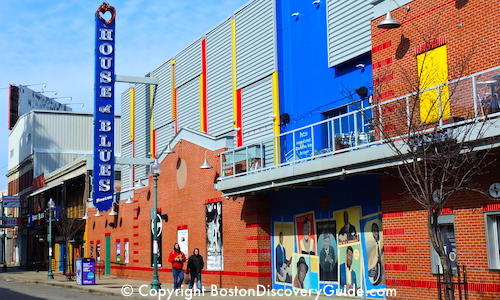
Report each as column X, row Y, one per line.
column 69, row 98
column 43, row 92
column 205, row 164
column 129, row 200
column 168, row 150
column 44, row 84
column 389, row 22
column 86, row 216
column 98, row 214
column 316, row 2
column 113, row 212
column 155, row 167
column 81, row 104
column 360, row 65
column 295, row 14
column 362, row 91
column 138, row 184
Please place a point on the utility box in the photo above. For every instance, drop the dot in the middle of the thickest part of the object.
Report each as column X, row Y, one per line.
column 85, row 271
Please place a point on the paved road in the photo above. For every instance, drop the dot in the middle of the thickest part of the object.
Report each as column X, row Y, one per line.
column 10, row 289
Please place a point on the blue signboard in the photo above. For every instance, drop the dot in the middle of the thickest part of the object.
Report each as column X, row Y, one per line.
column 103, row 174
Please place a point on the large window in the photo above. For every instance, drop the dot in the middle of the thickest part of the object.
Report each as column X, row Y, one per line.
column 493, row 239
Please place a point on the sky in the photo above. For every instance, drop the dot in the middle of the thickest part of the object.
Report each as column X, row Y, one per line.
column 52, row 43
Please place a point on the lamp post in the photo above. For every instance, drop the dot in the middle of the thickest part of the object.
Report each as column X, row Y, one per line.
column 50, row 208
column 155, row 170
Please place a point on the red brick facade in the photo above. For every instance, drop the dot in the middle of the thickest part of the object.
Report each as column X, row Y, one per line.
column 407, row 246
column 469, row 30
column 245, row 224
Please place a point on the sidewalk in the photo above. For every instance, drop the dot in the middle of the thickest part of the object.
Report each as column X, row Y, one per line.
column 136, row 289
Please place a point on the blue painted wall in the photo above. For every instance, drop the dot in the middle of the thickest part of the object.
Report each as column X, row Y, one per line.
column 308, row 86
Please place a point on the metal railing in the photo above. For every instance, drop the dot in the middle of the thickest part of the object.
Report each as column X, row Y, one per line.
column 474, row 97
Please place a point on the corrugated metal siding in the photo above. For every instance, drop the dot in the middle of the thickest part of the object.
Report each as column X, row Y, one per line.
column 255, row 42
column 53, row 131
column 347, row 40
column 163, row 135
column 125, row 120
column 188, row 63
column 141, row 126
column 46, row 163
column 188, row 102
column 162, row 110
column 126, row 179
column 219, row 79
column 257, row 103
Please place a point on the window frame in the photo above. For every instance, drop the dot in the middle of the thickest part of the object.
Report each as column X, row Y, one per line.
column 492, row 224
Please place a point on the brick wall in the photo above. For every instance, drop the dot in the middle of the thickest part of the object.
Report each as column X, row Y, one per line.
column 245, row 224
column 467, row 30
column 407, row 245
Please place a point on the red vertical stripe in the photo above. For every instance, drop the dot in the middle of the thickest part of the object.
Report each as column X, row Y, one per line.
column 154, row 143
column 204, row 91
column 239, row 122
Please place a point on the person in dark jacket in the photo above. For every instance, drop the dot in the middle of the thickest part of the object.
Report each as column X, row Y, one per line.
column 194, row 266
column 177, row 258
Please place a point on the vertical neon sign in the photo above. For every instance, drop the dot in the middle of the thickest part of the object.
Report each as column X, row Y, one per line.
column 104, row 81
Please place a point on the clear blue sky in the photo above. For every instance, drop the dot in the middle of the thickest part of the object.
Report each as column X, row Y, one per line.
column 52, row 42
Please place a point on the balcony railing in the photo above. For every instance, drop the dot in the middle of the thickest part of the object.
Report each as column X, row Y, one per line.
column 474, row 97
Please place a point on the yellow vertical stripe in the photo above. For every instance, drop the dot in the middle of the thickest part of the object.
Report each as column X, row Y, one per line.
column 233, row 61
column 151, row 120
column 132, row 114
column 202, row 109
column 86, row 243
column 432, row 71
column 174, row 100
column 276, row 112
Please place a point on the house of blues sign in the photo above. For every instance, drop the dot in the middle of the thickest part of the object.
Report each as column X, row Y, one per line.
column 103, row 175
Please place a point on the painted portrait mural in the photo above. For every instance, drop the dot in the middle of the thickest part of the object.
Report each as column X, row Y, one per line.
column 283, row 241
column 305, row 229
column 305, row 272
column 373, row 251
column 327, row 250
column 342, row 250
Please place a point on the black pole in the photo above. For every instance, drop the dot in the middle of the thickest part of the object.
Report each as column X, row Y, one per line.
column 4, row 251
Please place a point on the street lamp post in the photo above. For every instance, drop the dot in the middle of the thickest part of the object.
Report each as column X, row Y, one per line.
column 50, row 208
column 155, row 170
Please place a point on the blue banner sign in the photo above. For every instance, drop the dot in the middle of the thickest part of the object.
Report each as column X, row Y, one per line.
column 104, row 136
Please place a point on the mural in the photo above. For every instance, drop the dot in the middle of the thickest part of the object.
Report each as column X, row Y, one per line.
column 283, row 240
column 327, row 250
column 305, row 272
column 214, row 236
column 373, row 250
column 306, row 240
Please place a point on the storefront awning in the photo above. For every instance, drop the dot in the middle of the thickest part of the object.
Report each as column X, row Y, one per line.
column 45, row 189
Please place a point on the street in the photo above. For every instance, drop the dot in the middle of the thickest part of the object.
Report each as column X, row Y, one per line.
column 10, row 289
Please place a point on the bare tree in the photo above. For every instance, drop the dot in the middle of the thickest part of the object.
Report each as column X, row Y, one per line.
column 438, row 153
column 68, row 225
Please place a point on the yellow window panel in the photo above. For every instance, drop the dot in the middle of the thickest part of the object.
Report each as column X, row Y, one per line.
column 433, row 71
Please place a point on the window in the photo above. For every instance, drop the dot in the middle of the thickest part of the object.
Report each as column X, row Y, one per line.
column 493, row 239
column 450, row 246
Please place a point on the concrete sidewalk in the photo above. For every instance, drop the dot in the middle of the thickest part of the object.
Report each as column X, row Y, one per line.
column 137, row 289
